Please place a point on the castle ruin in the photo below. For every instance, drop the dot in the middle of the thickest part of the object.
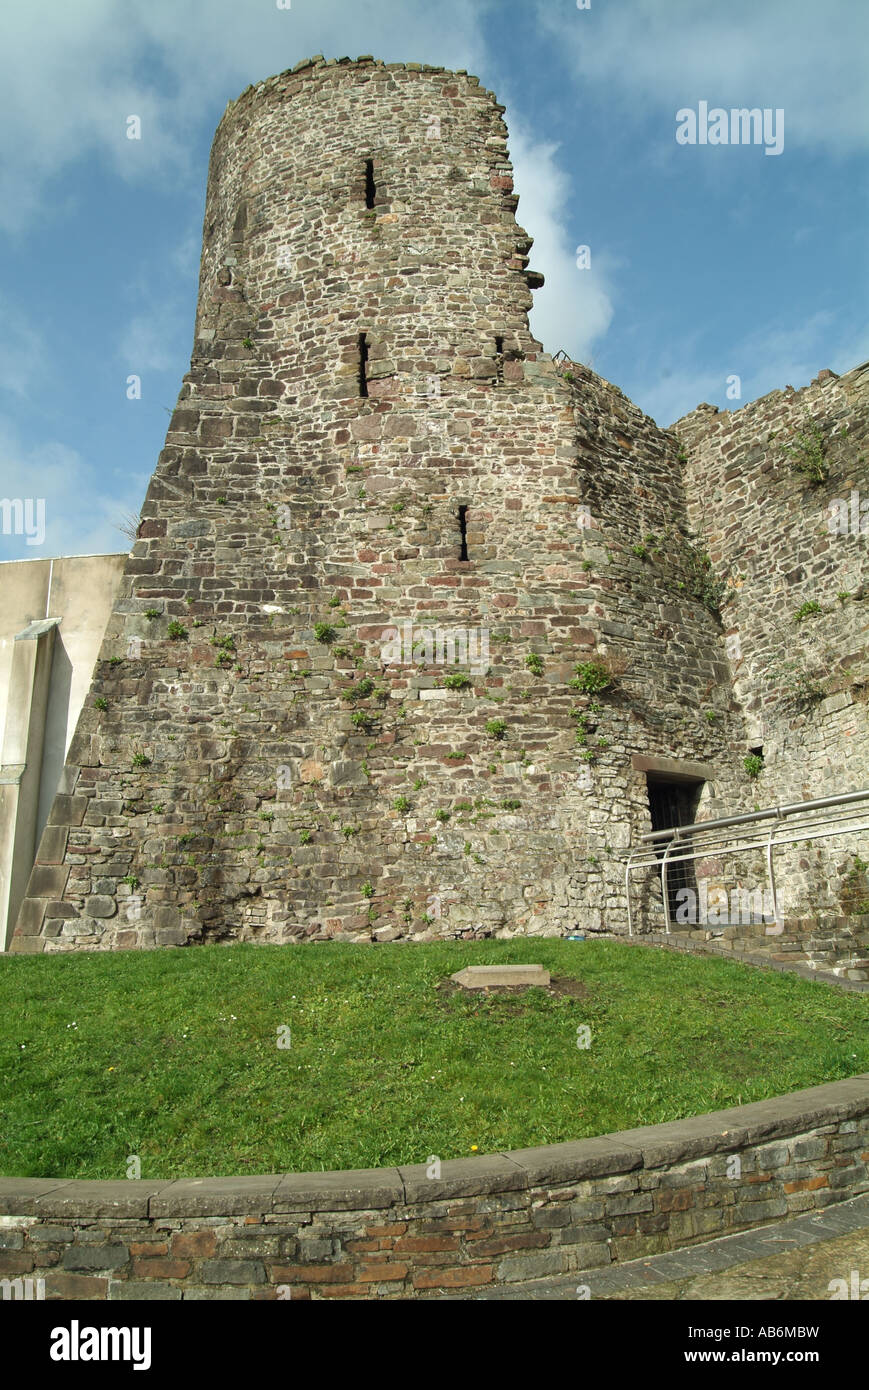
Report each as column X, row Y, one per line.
column 422, row 627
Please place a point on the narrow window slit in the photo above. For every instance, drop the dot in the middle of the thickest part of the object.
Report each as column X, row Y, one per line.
column 463, row 528
column 363, row 360
column 370, row 185
column 499, row 358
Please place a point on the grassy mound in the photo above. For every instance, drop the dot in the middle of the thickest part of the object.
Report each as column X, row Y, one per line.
column 174, row 1056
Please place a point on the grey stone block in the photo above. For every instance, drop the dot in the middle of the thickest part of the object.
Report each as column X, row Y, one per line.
column 232, row 1272
column 463, row 1177
column 95, row 1257
column 142, row 1291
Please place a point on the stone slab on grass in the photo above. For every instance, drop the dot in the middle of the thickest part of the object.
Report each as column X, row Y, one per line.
column 495, row 976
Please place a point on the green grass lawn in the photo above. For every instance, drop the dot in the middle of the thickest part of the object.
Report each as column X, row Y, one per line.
column 173, row 1055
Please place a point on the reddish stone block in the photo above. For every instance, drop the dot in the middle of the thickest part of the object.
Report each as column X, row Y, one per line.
column 310, row 1274
column 807, row 1184
column 382, row 1273
column 162, row 1267
column 75, row 1286
column 459, row 1277
column 425, row 1243
column 191, row 1245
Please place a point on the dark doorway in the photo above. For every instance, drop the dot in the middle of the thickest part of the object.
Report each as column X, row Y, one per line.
column 674, row 802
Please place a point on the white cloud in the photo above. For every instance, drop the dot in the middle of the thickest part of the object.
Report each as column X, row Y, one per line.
column 807, row 58
column 81, row 515
column 574, row 308
column 70, row 75
column 153, row 339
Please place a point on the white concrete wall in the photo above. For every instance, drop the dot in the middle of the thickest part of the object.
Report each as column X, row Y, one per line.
column 78, row 590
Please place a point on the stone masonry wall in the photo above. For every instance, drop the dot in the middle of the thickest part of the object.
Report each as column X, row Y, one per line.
column 397, row 1233
column 364, row 400
column 266, row 773
column 783, row 542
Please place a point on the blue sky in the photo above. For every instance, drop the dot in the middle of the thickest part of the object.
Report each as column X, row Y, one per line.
column 706, row 261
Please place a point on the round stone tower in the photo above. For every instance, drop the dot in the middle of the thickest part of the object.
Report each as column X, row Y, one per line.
column 427, row 610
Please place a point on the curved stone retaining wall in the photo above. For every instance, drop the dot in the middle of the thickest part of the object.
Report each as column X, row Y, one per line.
column 398, row 1233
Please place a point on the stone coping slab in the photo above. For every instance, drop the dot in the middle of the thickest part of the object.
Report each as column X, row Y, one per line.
column 652, row 1146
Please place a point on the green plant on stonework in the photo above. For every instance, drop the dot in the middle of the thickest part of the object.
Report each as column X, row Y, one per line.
column 131, row 881
column 590, row 677
column 305, row 837
column 854, row 896
column 419, row 784
column 367, row 890
column 586, row 566
column 710, row 716
column 798, row 683
column 807, row 609
column 267, row 815
column 361, row 719
column 335, row 601
column 176, row 631
column 603, row 742
column 534, row 662
column 640, row 551
column 700, row 581
column 442, row 816
column 496, row 728
column 808, row 453
column 456, row 757
column 753, row 764
column 247, row 342
column 221, row 499
column 226, row 644
column 101, row 702
column 115, row 660
column 843, row 595
column 153, row 613
column 141, row 760
column 510, row 804
column 401, row 803
column 360, row 690
column 588, row 755
column 348, row 831
column 324, row 632
column 158, row 808
column 457, row 681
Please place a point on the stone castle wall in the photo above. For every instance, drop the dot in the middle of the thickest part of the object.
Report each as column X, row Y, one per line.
column 365, row 398
column 785, row 542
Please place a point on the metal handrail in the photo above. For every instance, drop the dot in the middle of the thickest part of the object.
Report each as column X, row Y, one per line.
column 680, row 837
